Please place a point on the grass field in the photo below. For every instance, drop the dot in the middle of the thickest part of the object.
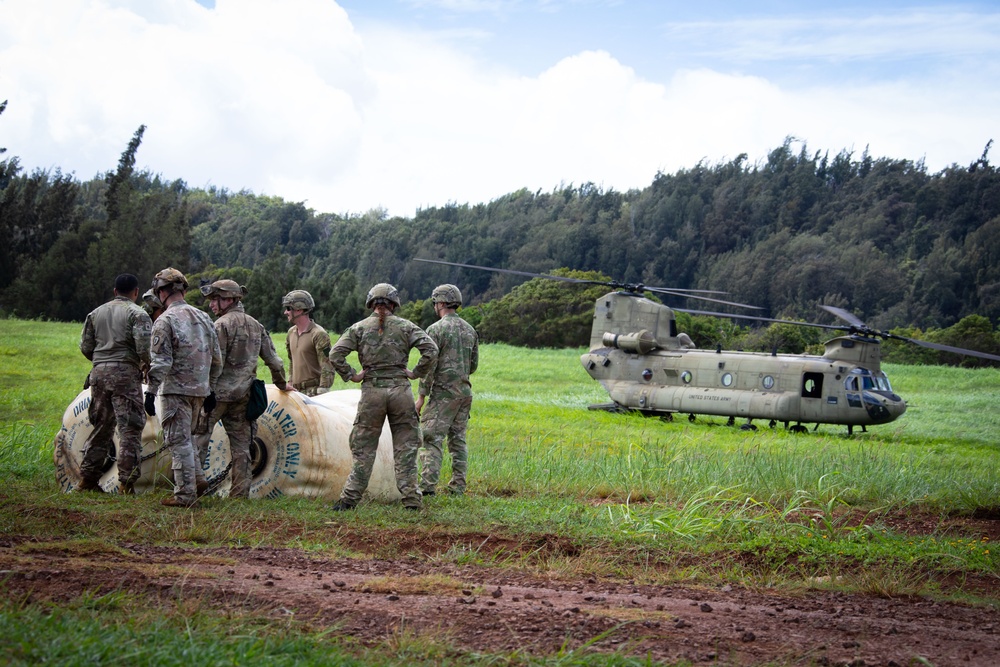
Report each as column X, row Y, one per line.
column 644, row 500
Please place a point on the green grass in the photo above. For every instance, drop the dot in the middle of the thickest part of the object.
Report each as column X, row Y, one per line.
column 600, row 494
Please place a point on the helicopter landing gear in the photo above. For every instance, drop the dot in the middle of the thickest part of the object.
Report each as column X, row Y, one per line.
column 691, row 418
column 731, row 421
column 798, row 428
column 749, row 426
column 772, row 423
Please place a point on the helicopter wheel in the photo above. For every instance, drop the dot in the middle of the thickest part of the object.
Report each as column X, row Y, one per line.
column 772, row 424
column 798, row 428
column 748, row 427
column 691, row 418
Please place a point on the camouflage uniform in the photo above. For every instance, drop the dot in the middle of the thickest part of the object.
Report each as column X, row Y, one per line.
column 449, row 400
column 186, row 363
column 242, row 339
column 115, row 338
column 309, row 368
column 385, row 392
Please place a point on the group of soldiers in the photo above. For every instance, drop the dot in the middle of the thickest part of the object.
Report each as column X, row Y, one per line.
column 204, row 372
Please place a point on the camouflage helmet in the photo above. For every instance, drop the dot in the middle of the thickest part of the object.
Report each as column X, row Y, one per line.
column 225, row 288
column 448, row 294
column 382, row 293
column 170, row 278
column 151, row 300
column 299, row 299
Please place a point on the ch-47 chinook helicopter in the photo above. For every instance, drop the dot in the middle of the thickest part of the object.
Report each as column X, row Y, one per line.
column 646, row 365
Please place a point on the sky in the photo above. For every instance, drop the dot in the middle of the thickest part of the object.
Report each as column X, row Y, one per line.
column 401, row 105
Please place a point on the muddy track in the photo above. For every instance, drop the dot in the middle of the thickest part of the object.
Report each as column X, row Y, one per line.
column 485, row 609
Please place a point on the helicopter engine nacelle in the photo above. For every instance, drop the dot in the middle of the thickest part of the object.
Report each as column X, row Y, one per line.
column 641, row 342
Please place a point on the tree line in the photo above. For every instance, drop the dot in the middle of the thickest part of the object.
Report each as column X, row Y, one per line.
column 883, row 238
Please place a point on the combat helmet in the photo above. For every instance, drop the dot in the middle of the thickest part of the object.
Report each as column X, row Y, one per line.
column 170, row 277
column 151, row 300
column 447, row 294
column 382, row 293
column 225, row 288
column 299, row 299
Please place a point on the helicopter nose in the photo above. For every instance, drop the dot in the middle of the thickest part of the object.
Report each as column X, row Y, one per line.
column 883, row 408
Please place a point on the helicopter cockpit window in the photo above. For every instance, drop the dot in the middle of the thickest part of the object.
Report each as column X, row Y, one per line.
column 686, row 377
column 876, row 383
column 851, row 383
column 812, row 385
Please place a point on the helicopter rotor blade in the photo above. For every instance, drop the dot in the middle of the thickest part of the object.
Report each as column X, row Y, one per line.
column 848, row 317
column 628, row 287
column 944, row 348
column 735, row 316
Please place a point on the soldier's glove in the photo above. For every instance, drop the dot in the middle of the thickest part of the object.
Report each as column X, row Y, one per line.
column 150, row 403
column 86, row 382
column 209, row 404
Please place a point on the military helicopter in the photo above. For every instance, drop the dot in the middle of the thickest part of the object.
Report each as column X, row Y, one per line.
column 646, row 365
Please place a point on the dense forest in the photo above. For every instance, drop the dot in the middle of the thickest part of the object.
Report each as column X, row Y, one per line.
column 881, row 237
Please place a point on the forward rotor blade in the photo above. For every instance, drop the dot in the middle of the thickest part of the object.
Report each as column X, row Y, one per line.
column 848, row 317
column 946, row 348
column 734, row 316
column 629, row 287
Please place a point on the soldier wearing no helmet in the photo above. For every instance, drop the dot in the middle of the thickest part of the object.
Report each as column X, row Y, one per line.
column 242, row 339
column 186, row 364
column 308, row 346
column 448, row 392
column 115, row 338
column 383, row 343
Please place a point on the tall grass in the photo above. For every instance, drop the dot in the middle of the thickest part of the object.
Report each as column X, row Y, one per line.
column 541, row 463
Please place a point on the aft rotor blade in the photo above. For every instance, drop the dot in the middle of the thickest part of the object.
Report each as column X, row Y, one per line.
column 629, row 287
column 663, row 290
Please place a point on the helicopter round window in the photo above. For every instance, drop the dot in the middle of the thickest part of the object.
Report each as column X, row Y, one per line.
column 727, row 379
column 647, row 375
column 767, row 382
column 686, row 376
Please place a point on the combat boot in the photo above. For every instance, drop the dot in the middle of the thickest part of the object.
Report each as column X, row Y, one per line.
column 342, row 506
column 126, row 489
column 201, row 487
column 89, row 485
column 174, row 501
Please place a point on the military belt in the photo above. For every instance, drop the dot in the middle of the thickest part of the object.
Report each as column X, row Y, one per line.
column 384, row 383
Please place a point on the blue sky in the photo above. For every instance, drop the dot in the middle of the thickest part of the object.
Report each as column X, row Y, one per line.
column 402, row 104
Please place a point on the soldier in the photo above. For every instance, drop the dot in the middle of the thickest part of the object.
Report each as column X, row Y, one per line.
column 186, row 363
column 115, row 338
column 448, row 392
column 242, row 339
column 383, row 343
column 308, row 346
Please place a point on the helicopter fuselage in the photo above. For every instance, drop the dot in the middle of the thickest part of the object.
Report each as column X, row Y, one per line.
column 645, row 364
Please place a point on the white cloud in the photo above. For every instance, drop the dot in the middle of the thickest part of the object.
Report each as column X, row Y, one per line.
column 288, row 99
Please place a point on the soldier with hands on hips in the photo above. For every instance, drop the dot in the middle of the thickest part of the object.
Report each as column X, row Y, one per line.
column 308, row 346
column 383, row 342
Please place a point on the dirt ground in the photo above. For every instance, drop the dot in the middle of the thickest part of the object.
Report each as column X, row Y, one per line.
column 493, row 609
